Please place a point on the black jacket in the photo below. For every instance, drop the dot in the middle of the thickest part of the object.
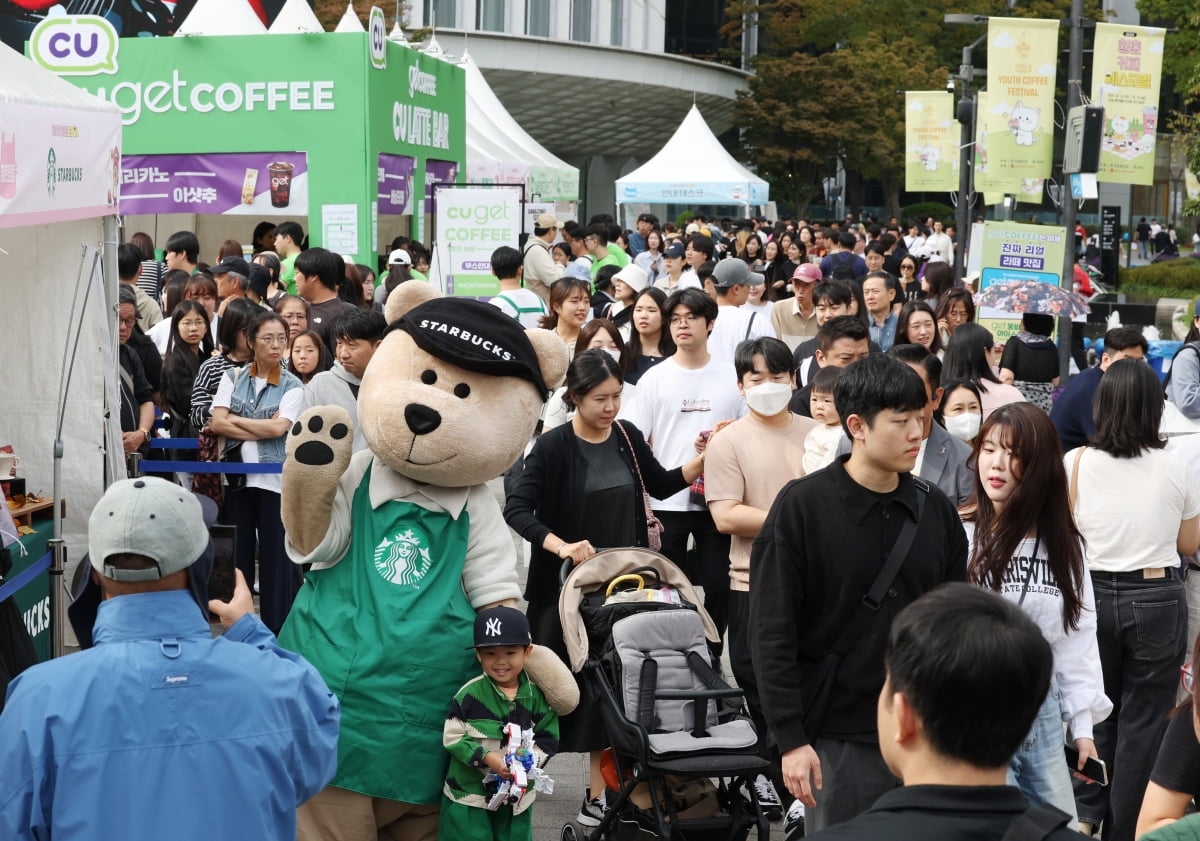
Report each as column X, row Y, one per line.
column 824, row 541
column 939, row 813
column 548, row 497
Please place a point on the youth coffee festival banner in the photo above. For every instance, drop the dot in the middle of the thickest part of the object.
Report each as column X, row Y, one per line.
column 930, row 142
column 1020, row 113
column 1127, row 71
column 471, row 224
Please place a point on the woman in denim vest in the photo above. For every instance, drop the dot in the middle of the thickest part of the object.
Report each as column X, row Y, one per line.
column 253, row 410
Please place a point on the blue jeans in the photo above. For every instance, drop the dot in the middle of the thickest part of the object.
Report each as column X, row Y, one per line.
column 1039, row 768
column 1142, row 633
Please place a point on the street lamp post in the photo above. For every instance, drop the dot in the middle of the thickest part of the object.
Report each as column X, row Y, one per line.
column 965, row 113
column 1074, row 98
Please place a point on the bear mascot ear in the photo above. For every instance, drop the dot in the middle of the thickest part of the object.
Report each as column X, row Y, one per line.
column 407, row 295
column 551, row 357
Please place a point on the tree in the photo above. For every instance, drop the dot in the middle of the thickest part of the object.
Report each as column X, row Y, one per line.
column 791, row 135
column 844, row 66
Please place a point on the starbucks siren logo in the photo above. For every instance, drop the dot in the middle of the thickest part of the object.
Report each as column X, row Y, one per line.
column 51, row 172
column 404, row 560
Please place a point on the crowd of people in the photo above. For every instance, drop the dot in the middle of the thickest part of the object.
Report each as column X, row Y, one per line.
column 929, row 565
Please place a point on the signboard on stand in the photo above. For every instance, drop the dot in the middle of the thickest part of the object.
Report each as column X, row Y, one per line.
column 1014, row 251
column 471, row 224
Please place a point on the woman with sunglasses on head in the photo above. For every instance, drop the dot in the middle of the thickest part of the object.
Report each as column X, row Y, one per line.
column 1138, row 508
column 253, row 410
column 1024, row 545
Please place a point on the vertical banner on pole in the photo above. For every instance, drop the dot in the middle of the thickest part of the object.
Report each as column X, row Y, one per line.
column 1020, row 116
column 930, row 142
column 992, row 193
column 1127, row 70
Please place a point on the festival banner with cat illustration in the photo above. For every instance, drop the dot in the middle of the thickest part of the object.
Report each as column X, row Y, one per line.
column 1126, row 74
column 930, row 142
column 1020, row 114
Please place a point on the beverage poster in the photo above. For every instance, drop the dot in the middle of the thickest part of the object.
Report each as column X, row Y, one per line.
column 257, row 184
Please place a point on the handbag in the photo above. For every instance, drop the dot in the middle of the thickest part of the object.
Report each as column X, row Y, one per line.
column 232, row 454
column 654, row 528
column 208, row 449
column 818, row 683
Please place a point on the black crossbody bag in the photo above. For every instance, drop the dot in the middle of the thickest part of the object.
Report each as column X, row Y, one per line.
column 818, row 685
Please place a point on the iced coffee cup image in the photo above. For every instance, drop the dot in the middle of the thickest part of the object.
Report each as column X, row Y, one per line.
column 280, row 173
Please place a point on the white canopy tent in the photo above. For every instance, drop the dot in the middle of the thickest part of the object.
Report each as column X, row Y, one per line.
column 59, row 179
column 500, row 151
column 692, row 168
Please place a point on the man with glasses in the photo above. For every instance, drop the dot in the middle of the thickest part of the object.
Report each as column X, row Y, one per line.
column 678, row 404
column 137, row 395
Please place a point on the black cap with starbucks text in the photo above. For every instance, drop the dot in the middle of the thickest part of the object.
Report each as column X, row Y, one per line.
column 501, row 626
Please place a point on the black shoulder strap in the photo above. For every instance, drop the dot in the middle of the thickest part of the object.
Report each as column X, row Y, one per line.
column 887, row 575
column 647, row 683
column 1035, row 824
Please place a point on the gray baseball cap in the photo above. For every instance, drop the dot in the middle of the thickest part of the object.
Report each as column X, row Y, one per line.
column 150, row 517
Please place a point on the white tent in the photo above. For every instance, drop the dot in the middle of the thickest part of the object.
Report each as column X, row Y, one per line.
column 500, row 151
column 692, row 168
column 295, row 16
column 221, row 17
column 59, row 174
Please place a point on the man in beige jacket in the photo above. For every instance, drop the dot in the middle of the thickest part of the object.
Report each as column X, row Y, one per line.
column 540, row 268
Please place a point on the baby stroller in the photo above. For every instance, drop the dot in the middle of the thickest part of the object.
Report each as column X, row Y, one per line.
column 683, row 750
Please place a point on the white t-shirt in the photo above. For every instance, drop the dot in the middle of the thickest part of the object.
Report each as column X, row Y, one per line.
column 688, row 278
column 290, row 407
column 763, row 309
column 1129, row 510
column 526, row 306
column 1076, row 653
column 673, row 405
column 733, row 326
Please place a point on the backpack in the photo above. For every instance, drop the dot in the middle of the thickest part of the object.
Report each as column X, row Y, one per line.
column 843, row 270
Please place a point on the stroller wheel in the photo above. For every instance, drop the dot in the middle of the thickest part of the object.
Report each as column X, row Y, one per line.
column 569, row 833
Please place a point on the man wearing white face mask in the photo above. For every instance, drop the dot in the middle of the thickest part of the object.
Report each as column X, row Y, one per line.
column 746, row 465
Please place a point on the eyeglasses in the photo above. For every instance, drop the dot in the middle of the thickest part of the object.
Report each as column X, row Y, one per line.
column 1185, row 677
column 193, row 322
column 680, row 320
column 127, row 322
column 295, row 316
column 271, row 340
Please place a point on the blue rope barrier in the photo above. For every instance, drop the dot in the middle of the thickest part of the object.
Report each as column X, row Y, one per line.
column 25, row 576
column 147, row 466
column 174, row 443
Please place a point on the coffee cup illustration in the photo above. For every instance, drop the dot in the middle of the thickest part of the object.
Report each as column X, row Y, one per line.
column 281, row 183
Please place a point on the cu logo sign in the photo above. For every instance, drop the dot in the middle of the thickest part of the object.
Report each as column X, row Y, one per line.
column 377, row 32
column 83, row 45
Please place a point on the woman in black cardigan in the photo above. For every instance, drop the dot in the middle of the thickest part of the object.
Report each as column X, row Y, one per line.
column 579, row 491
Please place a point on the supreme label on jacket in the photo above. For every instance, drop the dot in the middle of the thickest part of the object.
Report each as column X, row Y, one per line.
column 176, row 680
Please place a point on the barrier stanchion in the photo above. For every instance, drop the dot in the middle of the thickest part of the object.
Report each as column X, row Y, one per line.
column 133, row 465
column 59, row 597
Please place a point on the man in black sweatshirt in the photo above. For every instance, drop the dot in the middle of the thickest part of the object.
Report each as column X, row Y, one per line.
column 824, row 542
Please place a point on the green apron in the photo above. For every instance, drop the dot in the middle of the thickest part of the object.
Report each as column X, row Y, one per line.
column 388, row 627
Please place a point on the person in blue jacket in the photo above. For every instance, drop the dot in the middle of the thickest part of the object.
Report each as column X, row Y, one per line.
column 158, row 730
